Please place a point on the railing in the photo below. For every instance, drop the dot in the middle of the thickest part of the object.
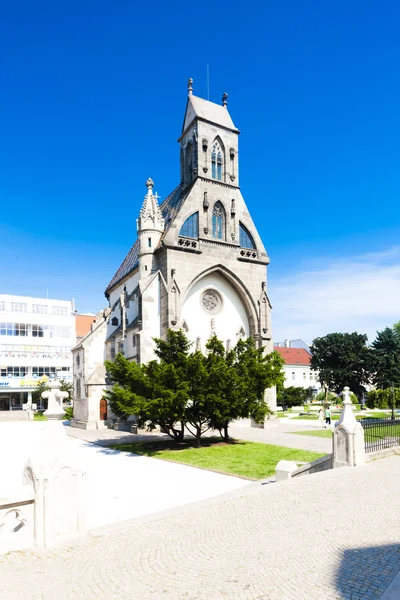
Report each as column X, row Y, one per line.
column 380, row 433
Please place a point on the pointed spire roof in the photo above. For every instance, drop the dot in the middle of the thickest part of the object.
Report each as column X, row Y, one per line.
column 208, row 111
column 150, row 213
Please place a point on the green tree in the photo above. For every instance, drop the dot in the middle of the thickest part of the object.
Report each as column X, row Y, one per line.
column 294, row 396
column 195, row 391
column 153, row 393
column 42, row 386
column 257, row 371
column 396, row 328
column 342, row 359
column 386, row 359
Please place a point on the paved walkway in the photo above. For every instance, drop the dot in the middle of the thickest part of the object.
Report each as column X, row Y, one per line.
column 331, row 535
column 117, row 485
column 275, row 432
column 282, row 434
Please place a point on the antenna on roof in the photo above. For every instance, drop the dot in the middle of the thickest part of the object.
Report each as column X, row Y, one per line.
column 208, row 82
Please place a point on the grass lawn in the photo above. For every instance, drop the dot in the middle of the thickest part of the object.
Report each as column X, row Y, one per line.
column 39, row 417
column 336, row 416
column 237, row 457
column 325, row 433
column 371, row 434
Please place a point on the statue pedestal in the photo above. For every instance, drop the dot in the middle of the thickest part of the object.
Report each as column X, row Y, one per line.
column 348, row 437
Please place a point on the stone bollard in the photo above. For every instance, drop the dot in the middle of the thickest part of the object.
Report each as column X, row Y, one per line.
column 348, row 437
column 284, row 470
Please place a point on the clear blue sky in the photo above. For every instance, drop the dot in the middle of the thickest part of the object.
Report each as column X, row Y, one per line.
column 92, row 96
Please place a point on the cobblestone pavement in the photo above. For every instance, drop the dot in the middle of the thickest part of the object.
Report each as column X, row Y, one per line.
column 330, row 535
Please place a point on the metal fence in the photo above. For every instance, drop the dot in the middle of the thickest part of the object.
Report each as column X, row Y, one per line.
column 380, row 433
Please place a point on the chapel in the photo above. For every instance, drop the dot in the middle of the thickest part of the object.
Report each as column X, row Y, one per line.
column 198, row 262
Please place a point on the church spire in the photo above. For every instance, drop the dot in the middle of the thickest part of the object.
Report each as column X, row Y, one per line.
column 190, row 88
column 150, row 229
column 150, row 213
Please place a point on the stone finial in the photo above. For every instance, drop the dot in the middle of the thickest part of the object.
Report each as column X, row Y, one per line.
column 225, row 99
column 190, row 88
column 150, row 183
column 55, row 399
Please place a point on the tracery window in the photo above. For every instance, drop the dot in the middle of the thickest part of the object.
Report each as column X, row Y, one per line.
column 216, row 161
column 190, row 228
column 218, row 218
column 245, row 239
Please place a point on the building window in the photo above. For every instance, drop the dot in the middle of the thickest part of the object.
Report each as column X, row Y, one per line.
column 19, row 307
column 189, row 162
column 78, row 360
column 245, row 239
column 60, row 311
column 190, row 228
column 216, row 161
column 20, row 329
column 149, row 242
column 304, row 376
column 114, row 322
column 37, row 331
column 40, row 371
column 218, row 217
column 293, row 375
column 39, row 309
column 6, row 328
column 2, row 305
column 13, row 371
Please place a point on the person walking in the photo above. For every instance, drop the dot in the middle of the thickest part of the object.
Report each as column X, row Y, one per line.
column 327, row 416
column 321, row 417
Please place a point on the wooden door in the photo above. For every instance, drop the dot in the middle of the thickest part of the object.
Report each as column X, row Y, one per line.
column 103, row 409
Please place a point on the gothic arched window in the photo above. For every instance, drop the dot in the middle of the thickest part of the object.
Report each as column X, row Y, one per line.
column 190, row 228
column 216, row 161
column 218, row 221
column 189, row 162
column 245, row 239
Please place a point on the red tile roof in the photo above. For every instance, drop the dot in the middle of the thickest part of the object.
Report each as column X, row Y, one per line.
column 294, row 356
column 83, row 323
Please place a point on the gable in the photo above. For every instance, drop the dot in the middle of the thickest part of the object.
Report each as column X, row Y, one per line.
column 209, row 111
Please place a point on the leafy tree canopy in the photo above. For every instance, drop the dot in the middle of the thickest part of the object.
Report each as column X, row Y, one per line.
column 342, row 359
column 386, row 358
column 193, row 390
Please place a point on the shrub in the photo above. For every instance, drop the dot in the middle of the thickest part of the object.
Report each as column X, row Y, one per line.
column 69, row 413
column 293, row 396
column 383, row 398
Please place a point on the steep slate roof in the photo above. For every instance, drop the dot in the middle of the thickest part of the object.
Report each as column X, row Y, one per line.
column 169, row 209
column 209, row 111
column 295, row 356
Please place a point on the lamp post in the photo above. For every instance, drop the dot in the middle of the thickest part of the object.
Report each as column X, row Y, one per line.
column 392, row 393
column 326, row 392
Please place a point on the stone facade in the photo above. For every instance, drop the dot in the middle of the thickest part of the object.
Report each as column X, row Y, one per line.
column 89, row 380
column 199, row 263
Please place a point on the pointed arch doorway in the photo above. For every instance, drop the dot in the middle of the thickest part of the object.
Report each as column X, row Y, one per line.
column 103, row 409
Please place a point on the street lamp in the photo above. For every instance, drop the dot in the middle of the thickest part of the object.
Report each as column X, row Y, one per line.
column 392, row 392
column 326, row 392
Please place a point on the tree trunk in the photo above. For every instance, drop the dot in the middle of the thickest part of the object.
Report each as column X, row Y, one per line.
column 226, row 434
column 198, row 436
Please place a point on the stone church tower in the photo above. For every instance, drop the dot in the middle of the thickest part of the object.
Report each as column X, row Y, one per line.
column 198, row 263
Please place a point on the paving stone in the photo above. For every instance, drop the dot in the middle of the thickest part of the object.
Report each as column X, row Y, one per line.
column 332, row 535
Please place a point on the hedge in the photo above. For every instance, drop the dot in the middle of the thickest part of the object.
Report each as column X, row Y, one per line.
column 383, row 398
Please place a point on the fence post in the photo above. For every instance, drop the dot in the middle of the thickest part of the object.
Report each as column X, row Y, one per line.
column 348, row 437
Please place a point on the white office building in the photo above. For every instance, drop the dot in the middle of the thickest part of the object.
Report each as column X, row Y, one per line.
column 36, row 337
